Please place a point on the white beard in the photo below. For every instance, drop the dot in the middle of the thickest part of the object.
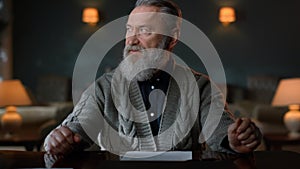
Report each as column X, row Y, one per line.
column 144, row 65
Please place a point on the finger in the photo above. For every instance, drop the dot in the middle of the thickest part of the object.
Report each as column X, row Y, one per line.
column 246, row 122
column 245, row 134
column 67, row 133
column 54, row 147
column 233, row 127
column 58, row 143
column 61, row 139
column 61, row 148
column 253, row 144
column 63, row 144
column 249, row 139
column 77, row 138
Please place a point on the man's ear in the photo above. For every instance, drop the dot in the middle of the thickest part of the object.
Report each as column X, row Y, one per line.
column 173, row 43
column 174, row 39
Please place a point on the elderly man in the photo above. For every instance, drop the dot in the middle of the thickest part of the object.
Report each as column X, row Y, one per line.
column 162, row 115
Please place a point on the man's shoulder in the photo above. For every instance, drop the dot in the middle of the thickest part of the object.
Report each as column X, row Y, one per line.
column 104, row 81
column 105, row 78
column 197, row 75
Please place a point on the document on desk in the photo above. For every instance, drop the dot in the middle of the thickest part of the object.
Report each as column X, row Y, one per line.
column 157, row 156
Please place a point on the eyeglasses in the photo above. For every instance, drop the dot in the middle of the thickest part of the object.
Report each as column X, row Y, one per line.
column 141, row 31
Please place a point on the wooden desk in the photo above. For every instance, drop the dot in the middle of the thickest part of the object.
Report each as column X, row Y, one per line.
column 27, row 136
column 276, row 141
column 91, row 160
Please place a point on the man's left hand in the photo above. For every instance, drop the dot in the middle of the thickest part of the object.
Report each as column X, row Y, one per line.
column 243, row 136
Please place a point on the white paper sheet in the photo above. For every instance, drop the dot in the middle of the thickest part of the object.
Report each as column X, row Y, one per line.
column 157, row 156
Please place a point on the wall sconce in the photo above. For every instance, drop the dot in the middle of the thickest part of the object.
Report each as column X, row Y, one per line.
column 12, row 93
column 227, row 15
column 287, row 94
column 90, row 16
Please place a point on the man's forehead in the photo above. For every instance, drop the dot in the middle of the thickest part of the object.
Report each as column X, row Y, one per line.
column 145, row 15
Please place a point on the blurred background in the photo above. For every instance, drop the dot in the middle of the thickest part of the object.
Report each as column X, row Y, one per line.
column 45, row 37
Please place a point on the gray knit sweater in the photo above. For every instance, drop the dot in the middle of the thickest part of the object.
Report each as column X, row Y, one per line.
column 106, row 119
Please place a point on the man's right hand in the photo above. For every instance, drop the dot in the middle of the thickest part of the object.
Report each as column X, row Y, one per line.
column 61, row 141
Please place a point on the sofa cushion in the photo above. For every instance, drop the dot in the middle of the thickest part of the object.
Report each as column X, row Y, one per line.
column 270, row 118
column 35, row 114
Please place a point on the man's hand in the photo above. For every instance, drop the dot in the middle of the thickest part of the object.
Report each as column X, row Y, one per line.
column 61, row 141
column 243, row 136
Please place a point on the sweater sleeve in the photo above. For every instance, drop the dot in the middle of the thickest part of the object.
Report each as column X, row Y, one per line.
column 214, row 116
column 86, row 118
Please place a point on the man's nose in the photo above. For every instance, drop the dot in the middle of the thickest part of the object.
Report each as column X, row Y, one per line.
column 132, row 39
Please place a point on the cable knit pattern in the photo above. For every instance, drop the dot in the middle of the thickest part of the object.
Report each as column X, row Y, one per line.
column 126, row 127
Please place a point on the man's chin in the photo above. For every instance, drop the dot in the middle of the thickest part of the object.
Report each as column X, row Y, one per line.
column 140, row 66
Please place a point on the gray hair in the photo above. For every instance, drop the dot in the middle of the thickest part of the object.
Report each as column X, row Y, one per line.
column 165, row 6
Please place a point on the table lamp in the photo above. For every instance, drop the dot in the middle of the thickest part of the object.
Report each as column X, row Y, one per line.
column 12, row 93
column 288, row 94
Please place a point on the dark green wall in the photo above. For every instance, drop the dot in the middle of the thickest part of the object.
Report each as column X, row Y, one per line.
column 48, row 35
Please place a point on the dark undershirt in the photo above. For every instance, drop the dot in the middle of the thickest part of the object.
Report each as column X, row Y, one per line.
column 159, row 81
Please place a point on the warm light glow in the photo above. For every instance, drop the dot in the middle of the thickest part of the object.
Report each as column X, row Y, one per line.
column 13, row 93
column 227, row 15
column 287, row 93
column 11, row 120
column 90, row 15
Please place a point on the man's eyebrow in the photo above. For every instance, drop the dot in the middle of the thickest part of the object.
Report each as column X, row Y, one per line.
column 147, row 26
column 140, row 26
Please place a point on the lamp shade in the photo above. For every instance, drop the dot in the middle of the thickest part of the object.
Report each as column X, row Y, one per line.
column 287, row 93
column 227, row 15
column 13, row 93
column 90, row 15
